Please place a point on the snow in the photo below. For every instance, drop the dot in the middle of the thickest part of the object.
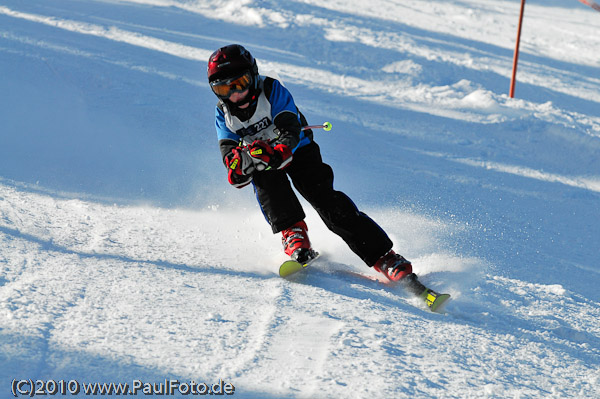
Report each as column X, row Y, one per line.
column 126, row 256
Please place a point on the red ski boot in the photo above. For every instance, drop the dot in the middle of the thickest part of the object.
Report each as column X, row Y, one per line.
column 296, row 243
column 393, row 266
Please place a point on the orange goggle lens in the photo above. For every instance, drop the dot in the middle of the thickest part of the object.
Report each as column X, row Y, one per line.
column 225, row 88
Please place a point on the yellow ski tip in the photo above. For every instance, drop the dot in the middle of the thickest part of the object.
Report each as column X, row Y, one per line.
column 290, row 267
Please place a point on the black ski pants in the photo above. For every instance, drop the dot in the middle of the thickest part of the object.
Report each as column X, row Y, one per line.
column 314, row 181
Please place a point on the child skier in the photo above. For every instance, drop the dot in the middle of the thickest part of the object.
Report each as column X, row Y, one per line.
column 262, row 142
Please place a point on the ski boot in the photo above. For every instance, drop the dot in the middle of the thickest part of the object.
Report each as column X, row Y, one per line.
column 393, row 266
column 296, row 243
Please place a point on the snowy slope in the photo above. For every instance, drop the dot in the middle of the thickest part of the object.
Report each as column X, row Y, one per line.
column 125, row 255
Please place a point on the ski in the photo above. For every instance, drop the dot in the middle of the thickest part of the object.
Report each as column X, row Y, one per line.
column 433, row 299
column 291, row 267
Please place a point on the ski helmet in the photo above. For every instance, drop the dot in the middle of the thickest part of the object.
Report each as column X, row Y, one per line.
column 232, row 68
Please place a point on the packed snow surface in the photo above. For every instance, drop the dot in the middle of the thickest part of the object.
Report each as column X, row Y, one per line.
column 126, row 257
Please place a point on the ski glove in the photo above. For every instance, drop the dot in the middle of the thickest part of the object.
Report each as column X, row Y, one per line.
column 266, row 157
column 240, row 167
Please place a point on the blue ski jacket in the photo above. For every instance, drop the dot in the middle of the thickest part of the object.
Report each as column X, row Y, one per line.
column 272, row 116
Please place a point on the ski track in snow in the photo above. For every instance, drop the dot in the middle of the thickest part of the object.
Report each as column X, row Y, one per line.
column 447, row 101
column 98, row 283
column 127, row 283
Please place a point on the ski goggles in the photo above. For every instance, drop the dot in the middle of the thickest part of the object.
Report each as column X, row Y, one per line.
column 225, row 88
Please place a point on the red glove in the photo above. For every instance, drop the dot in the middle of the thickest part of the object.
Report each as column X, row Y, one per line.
column 267, row 157
column 261, row 153
column 285, row 155
column 240, row 167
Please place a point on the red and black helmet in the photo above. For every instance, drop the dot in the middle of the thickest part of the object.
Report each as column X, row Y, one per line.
column 230, row 63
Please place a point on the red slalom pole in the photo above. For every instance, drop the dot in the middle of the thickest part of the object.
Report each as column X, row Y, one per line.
column 516, row 56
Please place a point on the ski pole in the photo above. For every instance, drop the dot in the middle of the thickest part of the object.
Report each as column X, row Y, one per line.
column 260, row 166
column 591, row 3
column 325, row 126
